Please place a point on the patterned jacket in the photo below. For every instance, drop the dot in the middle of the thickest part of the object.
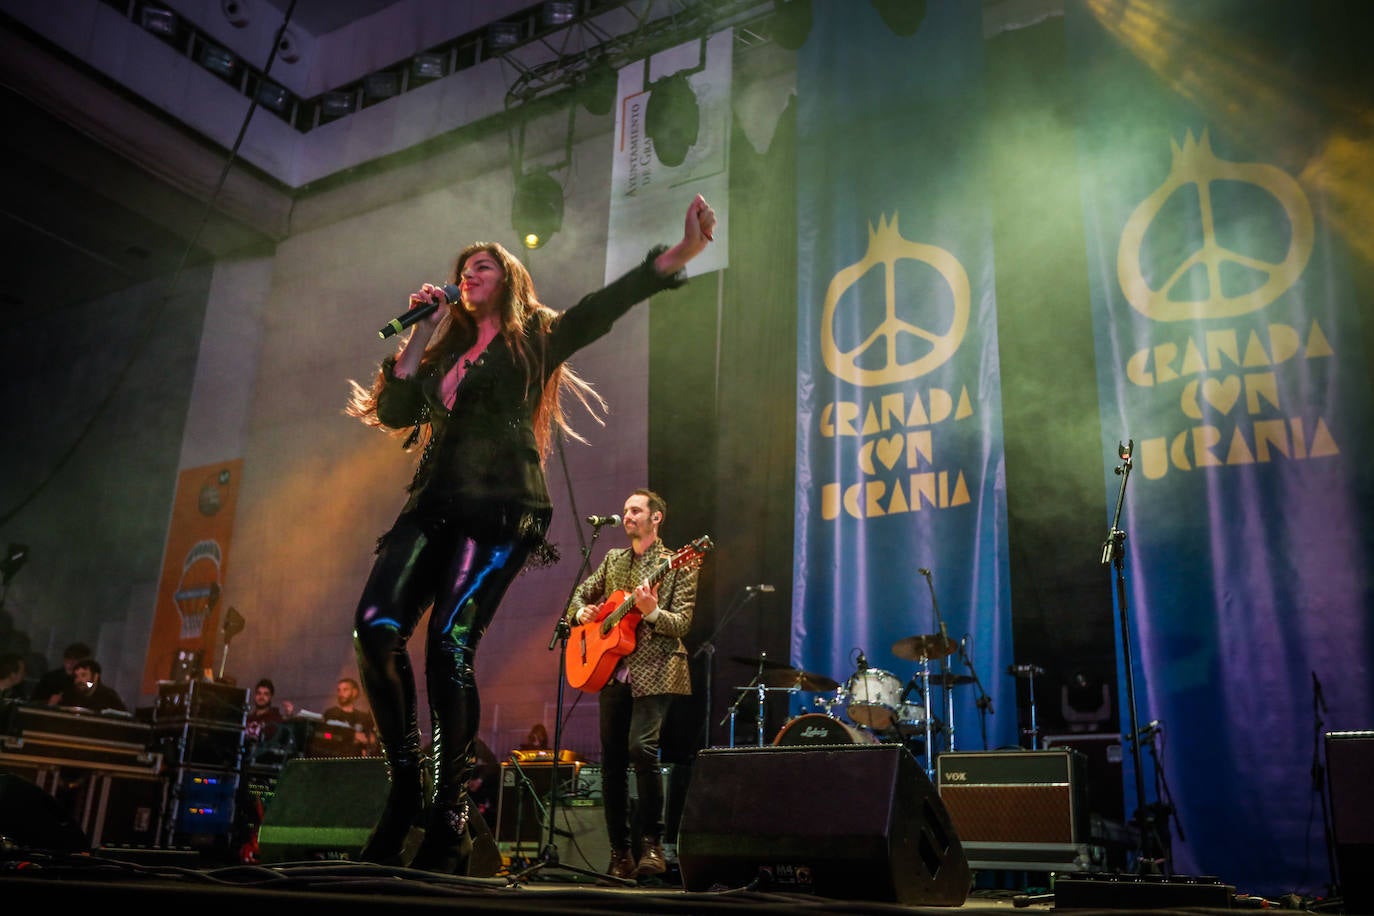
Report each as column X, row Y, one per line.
column 658, row 663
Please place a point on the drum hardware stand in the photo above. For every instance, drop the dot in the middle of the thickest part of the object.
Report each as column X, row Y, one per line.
column 1113, row 555
column 1029, row 672
column 708, row 648
column 734, row 708
column 562, row 631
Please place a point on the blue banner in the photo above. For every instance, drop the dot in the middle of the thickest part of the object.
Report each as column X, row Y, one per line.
column 899, row 442
column 1228, row 351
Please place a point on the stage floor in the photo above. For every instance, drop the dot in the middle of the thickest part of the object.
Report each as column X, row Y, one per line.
column 343, row 887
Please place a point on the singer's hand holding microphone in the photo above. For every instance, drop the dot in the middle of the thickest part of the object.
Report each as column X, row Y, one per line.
column 424, row 306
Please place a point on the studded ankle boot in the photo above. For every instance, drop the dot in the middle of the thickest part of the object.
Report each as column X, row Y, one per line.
column 447, row 845
column 404, row 804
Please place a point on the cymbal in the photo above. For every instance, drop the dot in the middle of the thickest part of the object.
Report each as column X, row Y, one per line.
column 950, row 680
column 761, row 661
column 801, row 680
column 918, row 648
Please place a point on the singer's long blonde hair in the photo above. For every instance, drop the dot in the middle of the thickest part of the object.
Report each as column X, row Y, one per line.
column 521, row 313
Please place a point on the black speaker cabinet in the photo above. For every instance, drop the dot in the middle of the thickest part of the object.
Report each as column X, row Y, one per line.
column 857, row 822
column 326, row 807
column 1349, row 763
column 33, row 819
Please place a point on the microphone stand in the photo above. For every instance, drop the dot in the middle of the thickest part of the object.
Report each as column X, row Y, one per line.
column 1319, row 782
column 944, row 680
column 708, row 648
column 1113, row 555
column 562, row 630
column 984, row 702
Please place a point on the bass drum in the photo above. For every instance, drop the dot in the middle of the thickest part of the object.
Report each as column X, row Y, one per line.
column 816, row 729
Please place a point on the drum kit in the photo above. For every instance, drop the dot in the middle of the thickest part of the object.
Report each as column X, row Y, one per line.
column 872, row 707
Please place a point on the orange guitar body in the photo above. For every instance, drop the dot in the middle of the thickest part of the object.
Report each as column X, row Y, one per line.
column 597, row 646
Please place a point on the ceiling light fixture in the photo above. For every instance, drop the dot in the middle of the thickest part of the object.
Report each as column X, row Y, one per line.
column 536, row 211
column 672, row 120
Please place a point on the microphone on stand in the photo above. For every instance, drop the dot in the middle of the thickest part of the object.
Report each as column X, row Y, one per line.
column 1024, row 670
column 410, row 316
column 596, row 521
column 862, row 662
column 925, row 572
column 1153, row 727
column 1317, row 691
column 759, row 588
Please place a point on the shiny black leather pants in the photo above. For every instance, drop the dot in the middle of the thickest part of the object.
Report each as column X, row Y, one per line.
column 464, row 579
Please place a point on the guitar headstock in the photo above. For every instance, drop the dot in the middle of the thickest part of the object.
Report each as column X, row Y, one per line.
column 692, row 554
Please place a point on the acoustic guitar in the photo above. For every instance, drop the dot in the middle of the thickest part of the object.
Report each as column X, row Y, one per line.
column 597, row 646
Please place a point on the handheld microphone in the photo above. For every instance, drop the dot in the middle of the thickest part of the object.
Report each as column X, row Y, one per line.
column 410, row 316
column 596, row 521
column 759, row 588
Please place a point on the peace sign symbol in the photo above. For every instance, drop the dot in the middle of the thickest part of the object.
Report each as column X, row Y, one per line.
column 885, row 248
column 1196, row 164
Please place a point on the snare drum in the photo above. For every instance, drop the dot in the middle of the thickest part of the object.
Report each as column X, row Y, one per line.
column 874, row 698
column 814, row 728
column 911, row 716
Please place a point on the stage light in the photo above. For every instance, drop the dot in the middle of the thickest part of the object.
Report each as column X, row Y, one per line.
column 557, row 12
column 161, row 22
column 219, row 61
column 502, row 36
column 903, row 17
column 428, row 66
column 536, row 211
column 380, row 86
column 597, row 90
column 791, row 23
column 336, row 105
column 673, row 118
column 274, row 97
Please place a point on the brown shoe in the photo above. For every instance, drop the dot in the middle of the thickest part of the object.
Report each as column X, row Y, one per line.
column 652, row 862
column 622, row 864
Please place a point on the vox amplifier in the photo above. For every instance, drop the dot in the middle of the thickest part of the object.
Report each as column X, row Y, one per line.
column 1020, row 809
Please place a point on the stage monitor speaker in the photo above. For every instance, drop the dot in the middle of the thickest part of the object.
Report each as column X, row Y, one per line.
column 857, row 822
column 33, row 819
column 326, row 807
column 1349, row 761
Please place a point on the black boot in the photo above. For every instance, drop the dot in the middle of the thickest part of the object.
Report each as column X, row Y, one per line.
column 447, row 845
column 404, row 803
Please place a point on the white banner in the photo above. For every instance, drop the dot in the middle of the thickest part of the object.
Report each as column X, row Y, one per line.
column 648, row 198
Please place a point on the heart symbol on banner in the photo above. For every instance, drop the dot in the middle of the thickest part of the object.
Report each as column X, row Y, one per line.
column 890, row 450
column 1221, row 394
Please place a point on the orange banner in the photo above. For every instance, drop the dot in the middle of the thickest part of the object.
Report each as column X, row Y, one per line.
column 186, row 622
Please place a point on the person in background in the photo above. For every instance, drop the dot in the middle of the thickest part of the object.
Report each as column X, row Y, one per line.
column 636, row 697
column 50, row 686
column 364, row 739
column 13, row 671
column 480, row 384
column 537, row 739
column 86, row 692
column 264, row 718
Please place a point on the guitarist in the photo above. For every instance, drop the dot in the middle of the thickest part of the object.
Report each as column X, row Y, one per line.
column 635, row 699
